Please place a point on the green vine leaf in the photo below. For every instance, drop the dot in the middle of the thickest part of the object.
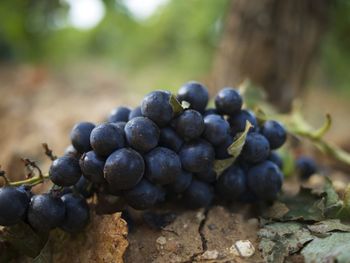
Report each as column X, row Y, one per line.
column 299, row 127
column 333, row 204
column 234, row 150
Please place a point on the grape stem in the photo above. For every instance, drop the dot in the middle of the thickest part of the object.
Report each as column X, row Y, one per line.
column 31, row 181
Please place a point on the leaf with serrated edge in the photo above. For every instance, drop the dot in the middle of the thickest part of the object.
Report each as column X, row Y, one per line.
column 332, row 202
column 334, row 248
column 330, row 225
column 234, row 150
column 279, row 240
column 304, row 206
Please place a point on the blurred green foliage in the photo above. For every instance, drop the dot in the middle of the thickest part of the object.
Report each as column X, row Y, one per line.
column 335, row 51
column 181, row 34
column 179, row 40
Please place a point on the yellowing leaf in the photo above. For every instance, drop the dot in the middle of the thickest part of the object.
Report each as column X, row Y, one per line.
column 234, row 150
column 176, row 105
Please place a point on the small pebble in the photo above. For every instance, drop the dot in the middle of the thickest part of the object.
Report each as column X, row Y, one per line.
column 161, row 240
column 210, row 255
column 200, row 216
column 243, row 248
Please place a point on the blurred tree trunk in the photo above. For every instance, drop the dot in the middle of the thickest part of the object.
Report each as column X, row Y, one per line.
column 272, row 43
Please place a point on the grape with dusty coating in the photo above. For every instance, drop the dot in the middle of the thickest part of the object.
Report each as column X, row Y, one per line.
column 13, row 205
column 231, row 183
column 275, row 133
column 77, row 213
column 198, row 194
column 265, row 180
column 170, row 139
column 197, row 156
column 156, row 106
column 92, row 167
column 144, row 195
column 142, row 134
column 124, row 169
column 119, row 114
column 80, row 136
column 65, row 171
column 181, row 183
column 106, row 138
column 162, row 166
column 256, row 148
column 46, row 212
column 228, row 101
column 194, row 93
column 238, row 121
column 136, row 112
column 189, row 125
column 216, row 130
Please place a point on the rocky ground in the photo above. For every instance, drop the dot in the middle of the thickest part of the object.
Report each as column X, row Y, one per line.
column 38, row 105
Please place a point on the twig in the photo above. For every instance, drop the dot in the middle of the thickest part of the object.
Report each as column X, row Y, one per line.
column 49, row 152
column 31, row 166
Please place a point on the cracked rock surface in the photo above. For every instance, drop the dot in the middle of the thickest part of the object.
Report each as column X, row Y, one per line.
column 195, row 236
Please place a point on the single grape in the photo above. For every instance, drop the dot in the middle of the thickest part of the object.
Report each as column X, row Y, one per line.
column 156, row 106
column 144, row 195
column 217, row 129
column 162, row 166
column 170, row 139
column 92, row 167
column 136, row 112
column 189, row 125
column 238, row 121
column 124, row 169
column 231, row 183
column 65, row 171
column 198, row 194
column 197, row 156
column 275, row 133
column 13, row 205
column 181, row 183
column 276, row 159
column 196, row 94
column 265, row 180
column 306, row 167
column 119, row 114
column 256, row 148
column 142, row 134
column 228, row 101
column 77, row 213
column 80, row 136
column 45, row 212
column 106, row 138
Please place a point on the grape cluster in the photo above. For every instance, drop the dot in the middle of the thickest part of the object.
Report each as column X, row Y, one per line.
column 152, row 154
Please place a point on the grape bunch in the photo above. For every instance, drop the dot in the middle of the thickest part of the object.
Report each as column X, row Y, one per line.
column 156, row 153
